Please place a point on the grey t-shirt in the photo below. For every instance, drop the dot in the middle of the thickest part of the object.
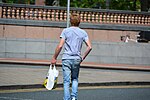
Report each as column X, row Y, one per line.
column 74, row 37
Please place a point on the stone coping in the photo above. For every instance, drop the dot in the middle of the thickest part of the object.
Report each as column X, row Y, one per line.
column 83, row 65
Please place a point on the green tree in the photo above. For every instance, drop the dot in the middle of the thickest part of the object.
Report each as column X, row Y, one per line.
column 145, row 5
column 133, row 5
column 19, row 1
column 87, row 3
column 121, row 4
column 63, row 3
column 49, row 2
column 103, row 4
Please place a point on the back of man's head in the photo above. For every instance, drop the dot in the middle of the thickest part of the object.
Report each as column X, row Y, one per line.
column 74, row 19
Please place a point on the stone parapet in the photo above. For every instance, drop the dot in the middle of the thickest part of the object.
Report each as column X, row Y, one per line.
column 59, row 24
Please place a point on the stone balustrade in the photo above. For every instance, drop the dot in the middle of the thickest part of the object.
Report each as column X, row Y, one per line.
column 49, row 13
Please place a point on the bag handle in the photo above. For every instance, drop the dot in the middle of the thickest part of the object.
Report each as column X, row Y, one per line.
column 52, row 66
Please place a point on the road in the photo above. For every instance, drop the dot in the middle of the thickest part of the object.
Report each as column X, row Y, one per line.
column 88, row 93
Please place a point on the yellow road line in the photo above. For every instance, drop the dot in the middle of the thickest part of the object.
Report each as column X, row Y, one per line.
column 109, row 87
column 88, row 87
column 22, row 90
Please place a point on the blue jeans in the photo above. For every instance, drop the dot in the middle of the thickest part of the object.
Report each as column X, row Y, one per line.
column 70, row 69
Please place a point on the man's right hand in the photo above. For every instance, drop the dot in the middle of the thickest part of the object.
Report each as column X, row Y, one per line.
column 53, row 61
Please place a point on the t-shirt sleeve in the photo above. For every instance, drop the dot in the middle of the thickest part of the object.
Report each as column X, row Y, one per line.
column 86, row 37
column 62, row 35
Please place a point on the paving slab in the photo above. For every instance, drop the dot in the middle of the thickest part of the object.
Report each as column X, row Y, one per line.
column 30, row 75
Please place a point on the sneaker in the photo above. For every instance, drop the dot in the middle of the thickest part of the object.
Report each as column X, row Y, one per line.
column 73, row 99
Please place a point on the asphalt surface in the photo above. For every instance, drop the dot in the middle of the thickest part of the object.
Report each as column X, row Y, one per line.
column 97, row 93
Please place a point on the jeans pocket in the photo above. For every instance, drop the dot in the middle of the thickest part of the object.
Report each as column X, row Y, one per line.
column 78, row 61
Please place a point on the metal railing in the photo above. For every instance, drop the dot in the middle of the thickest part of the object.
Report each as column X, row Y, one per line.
column 49, row 13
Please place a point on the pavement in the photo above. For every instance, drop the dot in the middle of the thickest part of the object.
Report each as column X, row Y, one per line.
column 28, row 73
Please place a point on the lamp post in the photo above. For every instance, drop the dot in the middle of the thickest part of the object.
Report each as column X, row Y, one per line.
column 68, row 10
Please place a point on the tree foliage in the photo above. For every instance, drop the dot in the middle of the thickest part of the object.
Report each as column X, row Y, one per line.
column 88, row 3
column 133, row 5
column 124, row 4
column 19, row 1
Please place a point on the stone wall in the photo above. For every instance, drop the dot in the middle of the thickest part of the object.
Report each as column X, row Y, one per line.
column 39, row 43
column 31, row 31
column 53, row 33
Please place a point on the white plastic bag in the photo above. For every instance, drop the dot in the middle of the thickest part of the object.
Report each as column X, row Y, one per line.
column 52, row 78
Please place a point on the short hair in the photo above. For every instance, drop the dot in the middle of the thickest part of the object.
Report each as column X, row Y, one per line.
column 75, row 19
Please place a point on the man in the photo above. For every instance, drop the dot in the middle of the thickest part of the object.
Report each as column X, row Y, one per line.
column 72, row 37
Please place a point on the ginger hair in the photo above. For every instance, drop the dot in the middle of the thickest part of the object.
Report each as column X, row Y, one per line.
column 74, row 19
